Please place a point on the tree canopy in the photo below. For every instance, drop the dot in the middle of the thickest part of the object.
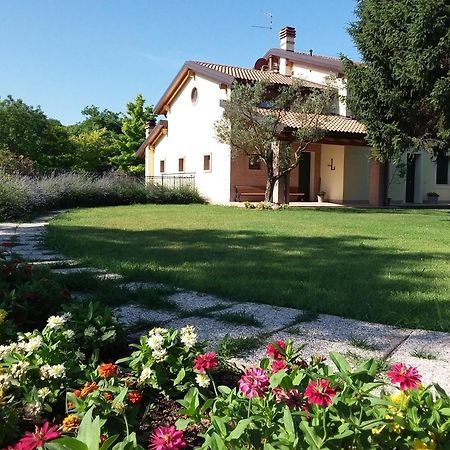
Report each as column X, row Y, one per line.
column 252, row 124
column 401, row 90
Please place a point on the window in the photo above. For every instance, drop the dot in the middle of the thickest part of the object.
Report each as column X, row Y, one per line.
column 181, row 165
column 207, row 163
column 162, row 166
column 194, row 96
column 254, row 163
column 442, row 169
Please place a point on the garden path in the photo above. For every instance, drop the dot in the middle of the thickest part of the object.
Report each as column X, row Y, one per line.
column 428, row 350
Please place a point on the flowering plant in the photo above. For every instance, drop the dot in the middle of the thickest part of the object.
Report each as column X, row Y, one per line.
column 164, row 359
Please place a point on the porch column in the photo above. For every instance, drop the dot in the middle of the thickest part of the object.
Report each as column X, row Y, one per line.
column 377, row 183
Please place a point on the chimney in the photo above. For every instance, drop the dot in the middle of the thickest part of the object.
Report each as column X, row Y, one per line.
column 287, row 39
column 149, row 127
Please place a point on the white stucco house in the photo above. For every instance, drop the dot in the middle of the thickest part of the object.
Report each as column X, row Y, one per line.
column 182, row 144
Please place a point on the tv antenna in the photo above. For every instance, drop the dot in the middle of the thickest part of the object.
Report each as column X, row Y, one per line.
column 269, row 17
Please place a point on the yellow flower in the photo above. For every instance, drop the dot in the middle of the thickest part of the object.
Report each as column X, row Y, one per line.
column 420, row 445
column 3, row 315
column 376, row 431
column 70, row 423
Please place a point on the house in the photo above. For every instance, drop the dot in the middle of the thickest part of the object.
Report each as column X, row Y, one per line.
column 182, row 146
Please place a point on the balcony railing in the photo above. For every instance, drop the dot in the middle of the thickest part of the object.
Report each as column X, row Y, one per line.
column 173, row 180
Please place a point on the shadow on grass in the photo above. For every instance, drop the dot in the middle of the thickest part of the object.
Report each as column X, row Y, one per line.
column 351, row 276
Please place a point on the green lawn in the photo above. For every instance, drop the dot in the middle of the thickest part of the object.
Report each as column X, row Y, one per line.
column 391, row 267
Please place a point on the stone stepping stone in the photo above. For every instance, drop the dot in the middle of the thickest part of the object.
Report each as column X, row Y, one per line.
column 272, row 317
column 212, row 330
column 136, row 285
column 109, row 276
column 70, row 270
column 423, row 342
column 129, row 315
column 56, row 262
column 191, row 301
column 333, row 328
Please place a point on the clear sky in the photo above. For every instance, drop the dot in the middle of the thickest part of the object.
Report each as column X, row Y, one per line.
column 66, row 54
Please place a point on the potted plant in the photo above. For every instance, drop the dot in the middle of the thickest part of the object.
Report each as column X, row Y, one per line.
column 433, row 197
column 321, row 196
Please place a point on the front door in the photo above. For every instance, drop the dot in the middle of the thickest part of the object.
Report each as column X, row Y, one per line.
column 410, row 178
column 304, row 179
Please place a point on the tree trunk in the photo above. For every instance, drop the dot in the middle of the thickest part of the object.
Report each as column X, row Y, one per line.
column 270, row 184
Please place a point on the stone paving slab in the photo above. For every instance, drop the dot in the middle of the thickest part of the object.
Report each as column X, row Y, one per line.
column 109, row 276
column 130, row 314
column 214, row 331
column 190, row 301
column 435, row 343
column 136, row 285
column 334, row 328
column 272, row 317
column 71, row 270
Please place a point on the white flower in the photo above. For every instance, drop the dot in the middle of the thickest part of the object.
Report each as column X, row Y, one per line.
column 188, row 336
column 4, row 350
column 33, row 409
column 43, row 393
column 44, row 372
column 19, row 369
column 69, row 334
column 5, row 381
column 57, row 371
column 56, row 322
column 145, row 374
column 159, row 354
column 155, row 341
column 67, row 316
column 80, row 355
column 90, row 331
column 33, row 344
column 157, row 331
column 202, row 380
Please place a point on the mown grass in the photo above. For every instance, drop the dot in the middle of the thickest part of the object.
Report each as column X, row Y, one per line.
column 390, row 266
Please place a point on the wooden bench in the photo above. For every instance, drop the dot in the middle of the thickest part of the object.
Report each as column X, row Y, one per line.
column 258, row 191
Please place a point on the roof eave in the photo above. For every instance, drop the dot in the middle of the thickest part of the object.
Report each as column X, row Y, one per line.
column 152, row 138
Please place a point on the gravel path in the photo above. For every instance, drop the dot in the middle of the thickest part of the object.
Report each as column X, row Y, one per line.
column 429, row 351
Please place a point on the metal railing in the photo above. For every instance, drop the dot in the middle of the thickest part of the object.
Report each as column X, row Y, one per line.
column 173, row 180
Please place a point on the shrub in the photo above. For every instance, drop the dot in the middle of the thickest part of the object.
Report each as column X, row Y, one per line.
column 21, row 195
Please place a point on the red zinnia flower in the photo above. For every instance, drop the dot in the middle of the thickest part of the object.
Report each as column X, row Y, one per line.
column 134, row 397
column 320, row 392
column 6, row 244
column 5, row 269
column 206, row 361
column 407, row 376
column 277, row 365
column 27, row 268
column 34, row 440
column 273, row 351
column 292, row 397
column 166, row 438
column 107, row 370
column 254, row 383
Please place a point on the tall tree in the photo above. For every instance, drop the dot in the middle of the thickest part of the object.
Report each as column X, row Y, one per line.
column 133, row 134
column 94, row 120
column 401, row 91
column 25, row 131
column 253, row 124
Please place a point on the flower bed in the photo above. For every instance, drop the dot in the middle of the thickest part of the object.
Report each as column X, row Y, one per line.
column 62, row 387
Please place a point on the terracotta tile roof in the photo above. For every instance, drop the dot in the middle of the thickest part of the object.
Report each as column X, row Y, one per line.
column 241, row 73
column 329, row 122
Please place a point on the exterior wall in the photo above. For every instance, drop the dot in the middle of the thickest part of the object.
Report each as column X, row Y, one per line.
column 429, row 181
column 397, row 183
column 149, row 162
column 356, row 174
column 191, row 136
column 332, row 181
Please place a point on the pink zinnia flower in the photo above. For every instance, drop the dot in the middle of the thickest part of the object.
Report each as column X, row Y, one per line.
column 320, row 392
column 254, row 382
column 292, row 397
column 273, row 351
column 34, row 440
column 277, row 365
column 166, row 438
column 407, row 376
column 205, row 362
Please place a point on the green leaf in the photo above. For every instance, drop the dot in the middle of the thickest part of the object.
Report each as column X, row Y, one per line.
column 217, row 443
column 340, row 362
column 182, row 424
column 311, row 437
column 109, row 442
column 89, row 430
column 224, row 390
column 241, row 427
column 68, row 442
column 288, row 422
column 277, row 378
column 445, row 411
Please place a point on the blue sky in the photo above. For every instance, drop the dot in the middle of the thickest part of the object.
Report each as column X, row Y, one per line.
column 66, row 54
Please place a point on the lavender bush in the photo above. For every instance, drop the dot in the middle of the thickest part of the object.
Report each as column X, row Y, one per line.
column 21, row 195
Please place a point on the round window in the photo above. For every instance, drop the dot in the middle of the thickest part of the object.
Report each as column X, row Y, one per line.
column 194, row 95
